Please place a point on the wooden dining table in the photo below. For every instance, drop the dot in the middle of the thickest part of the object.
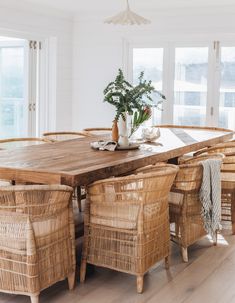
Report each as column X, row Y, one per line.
column 75, row 163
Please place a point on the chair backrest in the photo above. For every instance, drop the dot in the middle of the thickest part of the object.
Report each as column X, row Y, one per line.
column 63, row 136
column 98, row 131
column 202, row 157
column 145, row 186
column 35, row 200
column 124, row 201
column 226, row 147
column 189, row 178
column 229, row 163
column 21, row 142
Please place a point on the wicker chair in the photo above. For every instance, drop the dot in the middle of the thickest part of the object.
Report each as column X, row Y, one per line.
column 227, row 179
column 226, row 147
column 98, row 131
column 36, row 239
column 185, row 207
column 127, row 223
column 63, row 136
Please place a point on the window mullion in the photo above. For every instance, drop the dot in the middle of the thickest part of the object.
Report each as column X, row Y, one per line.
column 213, row 84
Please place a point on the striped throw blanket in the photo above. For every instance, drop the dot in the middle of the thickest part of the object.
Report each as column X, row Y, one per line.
column 210, row 196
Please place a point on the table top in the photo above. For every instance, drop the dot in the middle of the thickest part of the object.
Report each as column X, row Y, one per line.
column 74, row 162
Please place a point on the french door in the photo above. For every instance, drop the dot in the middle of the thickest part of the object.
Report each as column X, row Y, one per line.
column 19, row 80
column 198, row 81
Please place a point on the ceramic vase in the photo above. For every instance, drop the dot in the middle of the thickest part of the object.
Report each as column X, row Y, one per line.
column 123, row 131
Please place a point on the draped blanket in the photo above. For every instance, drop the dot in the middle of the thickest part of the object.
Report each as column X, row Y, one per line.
column 210, row 196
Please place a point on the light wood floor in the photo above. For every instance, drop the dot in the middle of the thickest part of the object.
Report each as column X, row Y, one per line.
column 208, row 277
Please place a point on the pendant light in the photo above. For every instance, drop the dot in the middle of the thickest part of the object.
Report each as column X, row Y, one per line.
column 127, row 17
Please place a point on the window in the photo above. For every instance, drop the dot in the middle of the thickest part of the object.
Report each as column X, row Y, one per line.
column 150, row 61
column 190, row 86
column 18, row 87
column 12, row 89
column 198, row 81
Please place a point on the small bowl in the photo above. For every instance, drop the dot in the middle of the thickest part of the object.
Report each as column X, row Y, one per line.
column 151, row 134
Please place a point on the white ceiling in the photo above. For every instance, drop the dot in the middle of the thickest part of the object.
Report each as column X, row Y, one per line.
column 77, row 6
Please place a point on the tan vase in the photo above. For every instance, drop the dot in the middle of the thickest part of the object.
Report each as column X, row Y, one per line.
column 115, row 134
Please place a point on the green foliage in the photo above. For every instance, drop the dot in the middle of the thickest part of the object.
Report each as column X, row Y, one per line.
column 128, row 98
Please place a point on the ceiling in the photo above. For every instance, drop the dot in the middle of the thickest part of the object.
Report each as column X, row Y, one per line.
column 77, row 6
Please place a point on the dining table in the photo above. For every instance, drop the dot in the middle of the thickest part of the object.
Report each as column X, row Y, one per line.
column 75, row 163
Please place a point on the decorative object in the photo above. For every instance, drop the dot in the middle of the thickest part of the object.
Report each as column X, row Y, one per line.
column 127, row 17
column 129, row 100
column 112, row 145
column 104, row 145
column 150, row 134
column 115, row 132
column 123, row 131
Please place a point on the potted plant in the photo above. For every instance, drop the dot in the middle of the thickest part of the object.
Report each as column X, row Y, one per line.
column 135, row 101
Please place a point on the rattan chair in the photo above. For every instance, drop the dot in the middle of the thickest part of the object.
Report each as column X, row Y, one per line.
column 127, row 223
column 63, row 136
column 227, row 181
column 21, row 142
column 37, row 245
column 96, row 131
column 185, row 207
column 226, row 147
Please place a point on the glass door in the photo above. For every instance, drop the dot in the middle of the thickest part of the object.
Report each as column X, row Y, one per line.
column 13, row 88
column 190, row 86
column 18, row 87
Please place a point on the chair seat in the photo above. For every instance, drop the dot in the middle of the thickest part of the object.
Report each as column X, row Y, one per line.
column 115, row 215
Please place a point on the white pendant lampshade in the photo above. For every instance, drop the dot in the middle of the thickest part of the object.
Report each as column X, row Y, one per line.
column 127, row 17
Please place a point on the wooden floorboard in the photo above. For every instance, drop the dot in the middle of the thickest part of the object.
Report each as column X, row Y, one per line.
column 208, row 277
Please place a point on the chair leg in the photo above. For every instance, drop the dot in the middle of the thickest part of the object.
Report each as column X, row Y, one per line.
column 34, row 299
column 167, row 262
column 71, row 281
column 79, row 198
column 216, row 238
column 140, row 283
column 184, row 251
column 233, row 210
column 177, row 229
column 83, row 271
